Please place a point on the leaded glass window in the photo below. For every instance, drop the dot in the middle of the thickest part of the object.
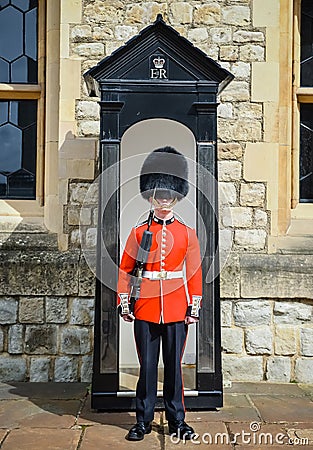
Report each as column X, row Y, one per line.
column 18, row 123
column 307, row 43
column 306, row 104
column 18, row 115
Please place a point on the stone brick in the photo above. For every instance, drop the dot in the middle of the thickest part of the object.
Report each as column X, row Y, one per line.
column 100, row 11
column 246, row 368
column 252, row 313
column 247, row 130
column 229, row 170
column 259, row 341
column 86, row 369
column 241, row 69
column 1, row 340
column 101, row 33
column 220, row 35
column 236, row 15
column 249, row 110
column 81, row 32
column 75, row 340
column 230, row 277
column 89, row 128
column 227, row 193
column 252, row 194
column 261, row 276
column 225, row 246
column 82, row 312
column 226, row 313
column 251, row 239
column 12, row 369
column 89, row 49
column 8, row 308
column 248, row 36
column 232, row 340
column 65, row 369
column 207, row 14
column 291, row 312
column 91, row 237
column 229, row 151
column 251, row 52
column 15, row 341
column 197, row 35
column 144, row 13
column 41, row 339
column 31, row 310
column 56, row 309
column 88, row 110
column 278, row 369
column 28, row 271
column 304, row 371
column 237, row 216
column 39, row 370
column 229, row 52
column 260, row 218
column 75, row 237
column 181, row 13
column 236, row 91
column 285, row 340
column 306, row 341
column 225, row 110
column 78, row 192
column 125, row 32
column 134, row 14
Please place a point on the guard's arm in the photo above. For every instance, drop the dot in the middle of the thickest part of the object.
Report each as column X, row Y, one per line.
column 193, row 276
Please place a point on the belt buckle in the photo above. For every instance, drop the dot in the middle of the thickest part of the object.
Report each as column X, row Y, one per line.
column 162, row 275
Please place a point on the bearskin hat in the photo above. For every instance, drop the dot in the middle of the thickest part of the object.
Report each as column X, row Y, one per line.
column 164, row 169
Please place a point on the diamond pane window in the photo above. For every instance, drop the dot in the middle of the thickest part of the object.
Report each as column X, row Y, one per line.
column 18, row 41
column 18, row 141
column 306, row 152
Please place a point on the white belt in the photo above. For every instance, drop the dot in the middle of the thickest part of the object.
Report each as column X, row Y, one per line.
column 163, row 275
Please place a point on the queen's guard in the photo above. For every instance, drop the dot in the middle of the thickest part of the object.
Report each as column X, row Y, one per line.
column 160, row 289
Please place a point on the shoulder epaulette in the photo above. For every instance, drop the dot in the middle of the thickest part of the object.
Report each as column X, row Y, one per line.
column 180, row 220
column 141, row 223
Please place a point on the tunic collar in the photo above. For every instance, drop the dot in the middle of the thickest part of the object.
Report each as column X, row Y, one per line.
column 163, row 222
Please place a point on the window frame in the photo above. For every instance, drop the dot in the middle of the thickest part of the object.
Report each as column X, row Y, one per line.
column 16, row 91
column 300, row 95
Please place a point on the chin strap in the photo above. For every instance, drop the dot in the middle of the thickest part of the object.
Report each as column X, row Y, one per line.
column 169, row 207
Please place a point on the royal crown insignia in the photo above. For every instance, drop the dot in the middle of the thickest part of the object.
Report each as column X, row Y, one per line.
column 159, row 62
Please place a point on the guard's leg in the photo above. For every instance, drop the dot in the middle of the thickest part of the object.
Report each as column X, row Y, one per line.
column 147, row 336
column 173, row 345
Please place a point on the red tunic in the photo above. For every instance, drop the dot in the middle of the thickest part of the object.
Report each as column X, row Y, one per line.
column 175, row 247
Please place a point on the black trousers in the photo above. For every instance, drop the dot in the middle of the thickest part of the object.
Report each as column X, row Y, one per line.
column 148, row 336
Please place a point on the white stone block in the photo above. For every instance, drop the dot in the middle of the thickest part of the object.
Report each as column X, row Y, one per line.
column 246, row 368
column 232, row 340
column 229, row 170
column 278, row 369
column 259, row 341
column 306, row 341
column 304, row 370
column 252, row 313
column 251, row 239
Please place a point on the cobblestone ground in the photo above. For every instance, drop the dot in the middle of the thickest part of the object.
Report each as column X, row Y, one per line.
column 57, row 416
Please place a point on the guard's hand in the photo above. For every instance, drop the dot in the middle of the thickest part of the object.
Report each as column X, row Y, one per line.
column 128, row 317
column 189, row 320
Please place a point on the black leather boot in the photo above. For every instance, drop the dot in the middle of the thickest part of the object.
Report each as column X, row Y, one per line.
column 138, row 431
column 180, row 429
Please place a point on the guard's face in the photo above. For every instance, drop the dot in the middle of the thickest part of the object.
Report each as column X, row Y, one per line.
column 164, row 200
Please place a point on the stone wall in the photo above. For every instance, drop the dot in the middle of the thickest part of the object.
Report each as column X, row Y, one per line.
column 46, row 296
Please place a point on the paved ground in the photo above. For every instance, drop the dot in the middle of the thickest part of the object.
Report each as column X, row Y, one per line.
column 57, row 416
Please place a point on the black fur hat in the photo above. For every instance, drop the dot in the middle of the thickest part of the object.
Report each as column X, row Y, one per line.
column 165, row 169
